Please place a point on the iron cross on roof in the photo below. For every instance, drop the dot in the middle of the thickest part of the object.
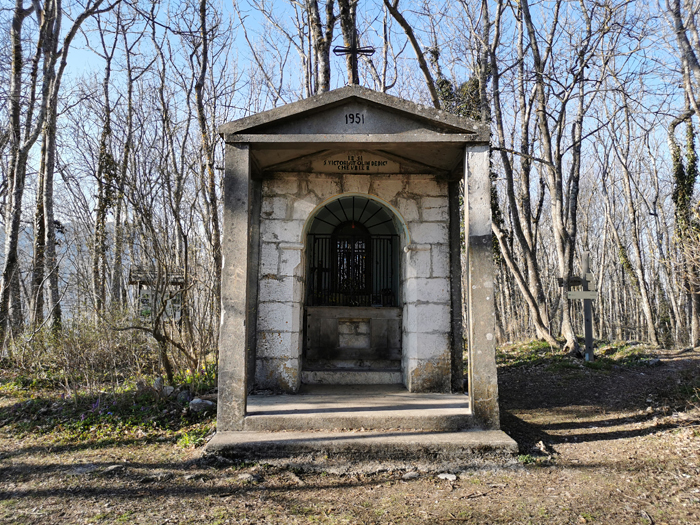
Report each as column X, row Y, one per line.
column 354, row 51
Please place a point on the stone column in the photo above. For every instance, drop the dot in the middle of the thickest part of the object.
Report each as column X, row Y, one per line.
column 456, row 293
column 252, row 299
column 234, row 338
column 483, row 383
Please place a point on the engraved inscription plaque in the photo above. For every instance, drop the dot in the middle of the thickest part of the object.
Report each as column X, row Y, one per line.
column 355, row 162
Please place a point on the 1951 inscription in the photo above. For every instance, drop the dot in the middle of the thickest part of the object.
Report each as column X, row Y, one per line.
column 355, row 118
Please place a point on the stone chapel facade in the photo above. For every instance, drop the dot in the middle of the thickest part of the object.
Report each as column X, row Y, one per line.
column 342, row 251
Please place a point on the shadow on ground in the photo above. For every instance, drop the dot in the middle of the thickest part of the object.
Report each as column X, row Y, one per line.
column 556, row 401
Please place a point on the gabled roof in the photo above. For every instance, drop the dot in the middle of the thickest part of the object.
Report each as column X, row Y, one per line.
column 318, row 114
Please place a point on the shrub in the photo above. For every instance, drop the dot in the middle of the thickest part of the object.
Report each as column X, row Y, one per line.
column 84, row 354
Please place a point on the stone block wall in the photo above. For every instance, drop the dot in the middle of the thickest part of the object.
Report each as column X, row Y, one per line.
column 281, row 284
column 287, row 202
column 426, row 288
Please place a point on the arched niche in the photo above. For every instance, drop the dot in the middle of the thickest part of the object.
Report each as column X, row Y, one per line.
column 353, row 297
column 353, row 254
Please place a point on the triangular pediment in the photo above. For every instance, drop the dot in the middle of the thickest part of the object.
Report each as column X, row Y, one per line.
column 353, row 161
column 354, row 110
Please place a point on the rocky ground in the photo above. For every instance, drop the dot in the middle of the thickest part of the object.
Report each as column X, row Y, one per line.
column 614, row 442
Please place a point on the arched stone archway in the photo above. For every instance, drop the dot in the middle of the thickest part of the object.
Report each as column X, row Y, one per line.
column 353, row 311
column 353, row 245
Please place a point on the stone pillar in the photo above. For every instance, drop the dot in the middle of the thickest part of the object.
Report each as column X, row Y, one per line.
column 483, row 383
column 252, row 302
column 456, row 293
column 236, row 296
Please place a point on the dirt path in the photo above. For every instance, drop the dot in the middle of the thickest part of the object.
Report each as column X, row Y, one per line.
column 611, row 445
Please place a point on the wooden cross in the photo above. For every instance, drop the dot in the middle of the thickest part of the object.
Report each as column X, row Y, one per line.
column 354, row 51
column 587, row 295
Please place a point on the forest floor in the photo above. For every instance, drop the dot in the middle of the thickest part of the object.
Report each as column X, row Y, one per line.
column 616, row 441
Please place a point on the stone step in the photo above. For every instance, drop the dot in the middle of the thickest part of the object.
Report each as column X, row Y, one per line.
column 365, row 364
column 358, row 407
column 355, row 354
column 352, row 376
column 303, row 423
column 326, row 450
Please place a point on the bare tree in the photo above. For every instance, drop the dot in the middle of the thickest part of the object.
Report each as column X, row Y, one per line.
column 322, row 39
column 684, row 176
column 524, row 217
column 622, row 145
column 50, row 18
column 205, row 133
column 393, row 8
column 684, row 19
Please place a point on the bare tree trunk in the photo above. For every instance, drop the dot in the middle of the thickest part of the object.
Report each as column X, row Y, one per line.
column 684, row 182
column 20, row 146
column 393, row 7
column 208, row 150
column 36, row 302
column 552, row 127
column 689, row 57
column 50, row 224
column 118, row 292
column 348, row 12
column 322, row 42
column 622, row 152
column 106, row 178
column 50, row 18
column 381, row 78
column 527, row 278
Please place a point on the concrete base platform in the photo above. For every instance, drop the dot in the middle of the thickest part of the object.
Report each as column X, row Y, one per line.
column 361, row 423
column 461, row 449
column 367, row 407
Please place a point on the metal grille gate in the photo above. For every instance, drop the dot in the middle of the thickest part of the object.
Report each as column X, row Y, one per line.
column 352, row 270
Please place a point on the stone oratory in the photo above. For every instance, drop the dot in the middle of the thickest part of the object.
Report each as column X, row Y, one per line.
column 343, row 281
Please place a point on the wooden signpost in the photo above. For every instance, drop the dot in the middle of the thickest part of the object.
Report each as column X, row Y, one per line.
column 587, row 296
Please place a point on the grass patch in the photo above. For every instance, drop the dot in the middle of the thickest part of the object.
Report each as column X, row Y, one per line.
column 607, row 356
column 529, row 353
column 526, row 459
column 599, row 364
column 562, row 365
column 129, row 413
column 195, row 437
column 622, row 353
column 301, row 511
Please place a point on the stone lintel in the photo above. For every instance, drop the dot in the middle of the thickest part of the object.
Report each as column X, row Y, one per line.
column 354, row 312
column 350, row 140
column 357, row 161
